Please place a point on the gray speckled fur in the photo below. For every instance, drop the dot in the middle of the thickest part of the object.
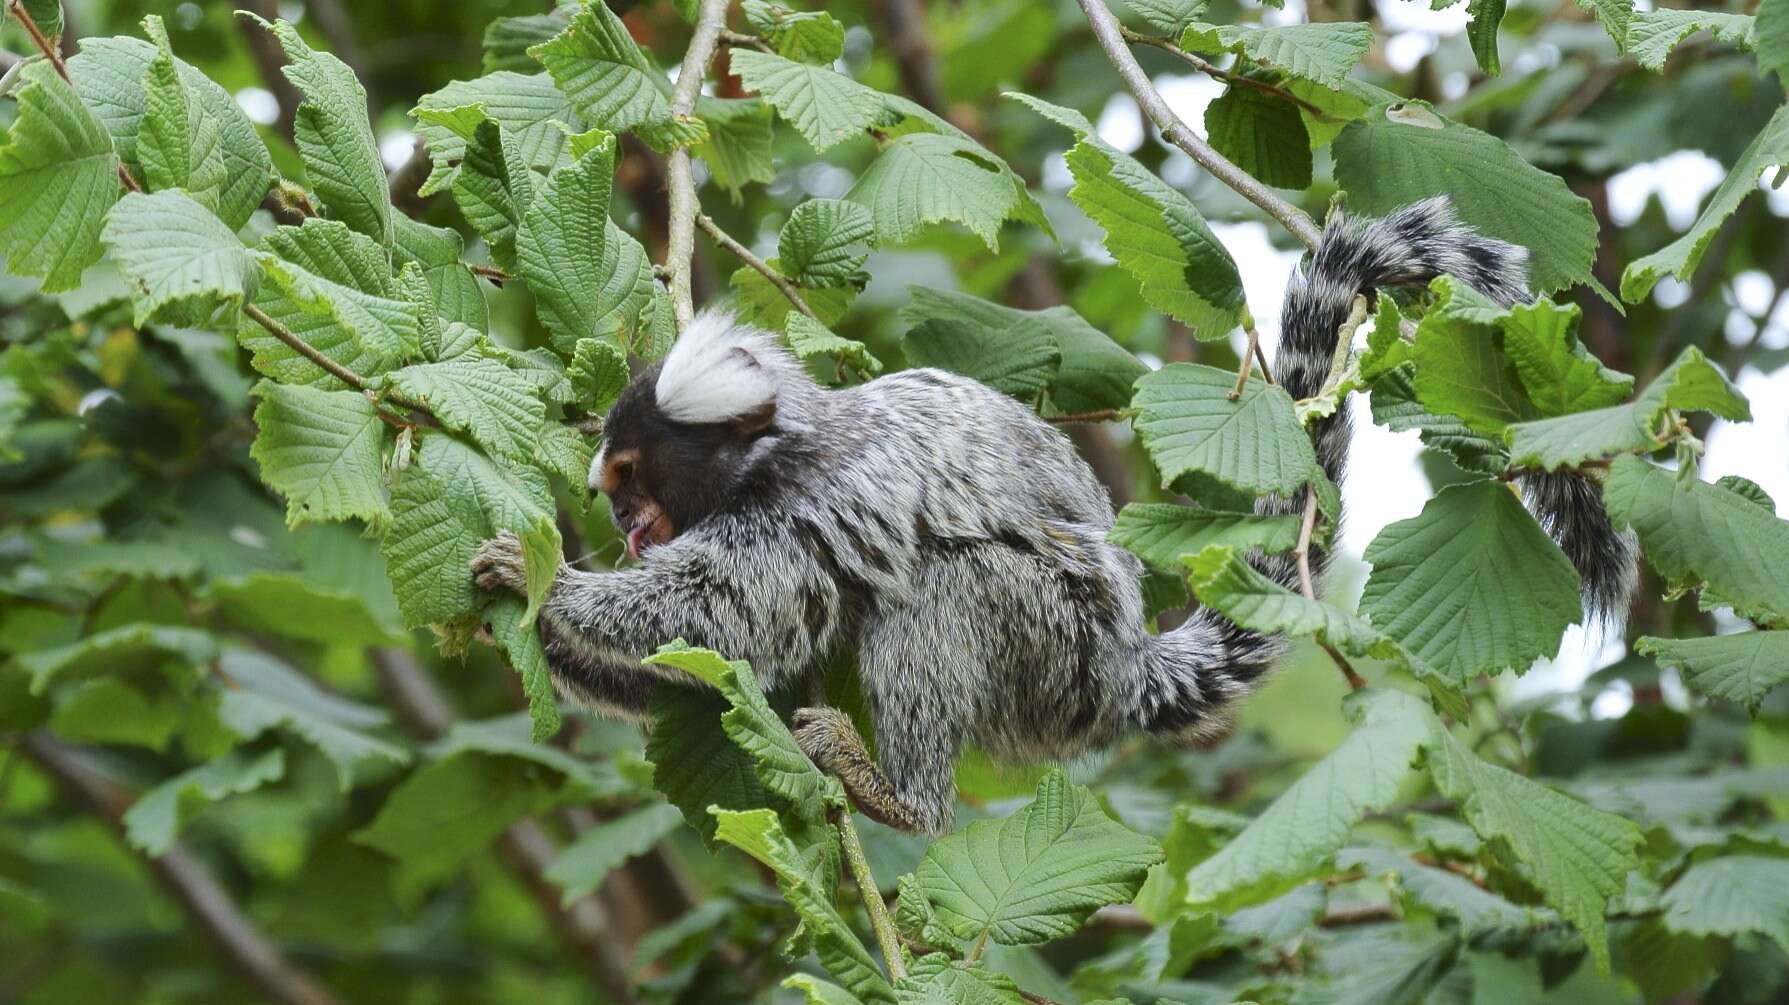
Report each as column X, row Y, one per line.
column 956, row 542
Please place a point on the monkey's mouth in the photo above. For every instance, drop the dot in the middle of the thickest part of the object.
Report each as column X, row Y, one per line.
column 651, row 527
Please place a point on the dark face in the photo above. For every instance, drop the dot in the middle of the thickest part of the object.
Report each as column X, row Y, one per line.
column 663, row 477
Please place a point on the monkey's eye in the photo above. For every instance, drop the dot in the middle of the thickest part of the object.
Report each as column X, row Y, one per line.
column 624, row 470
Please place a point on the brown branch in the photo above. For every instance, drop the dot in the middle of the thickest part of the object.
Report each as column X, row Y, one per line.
column 407, row 180
column 744, row 254
column 50, row 52
column 904, row 29
column 422, row 415
column 525, row 845
column 1108, row 33
column 681, row 242
column 739, row 38
column 216, row 913
column 1211, row 69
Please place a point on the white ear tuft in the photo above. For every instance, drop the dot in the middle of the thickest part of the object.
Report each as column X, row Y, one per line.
column 722, row 370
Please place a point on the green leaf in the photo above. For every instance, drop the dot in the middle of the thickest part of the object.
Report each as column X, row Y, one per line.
column 1225, row 582
column 762, row 304
column 1479, row 911
column 492, row 184
column 47, row 15
column 808, row 339
column 926, row 178
column 1188, row 423
column 482, row 398
column 111, row 711
column 755, row 727
column 808, row 36
column 587, row 280
column 1301, row 830
column 1036, row 876
column 759, row 834
column 598, row 373
column 1471, row 585
column 1170, row 17
column 1399, row 153
column 1680, row 257
column 335, row 140
column 1732, row 895
column 815, row 991
column 1322, row 52
column 826, row 107
column 154, row 820
column 1742, row 667
column 1395, row 407
column 597, row 65
column 1153, row 231
column 508, row 39
column 520, row 644
column 819, row 245
column 565, row 452
column 581, row 866
column 1653, row 34
column 1481, row 32
column 58, row 178
column 429, row 547
column 322, row 451
column 266, row 694
column 737, row 151
column 453, row 291
column 936, row 979
column 528, row 108
column 283, row 604
column 1162, row 535
column 694, row 762
column 179, row 259
column 179, row 145
column 1691, row 531
column 1461, row 371
column 1263, row 134
column 1577, row 857
column 118, row 652
column 449, row 811
column 1559, row 375
column 110, row 74
column 1690, row 383
column 1772, row 31
column 980, row 339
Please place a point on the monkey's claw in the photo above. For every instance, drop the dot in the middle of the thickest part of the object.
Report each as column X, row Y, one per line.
column 499, row 564
column 828, row 737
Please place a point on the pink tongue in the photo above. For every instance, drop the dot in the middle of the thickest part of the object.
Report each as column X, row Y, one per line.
column 634, row 538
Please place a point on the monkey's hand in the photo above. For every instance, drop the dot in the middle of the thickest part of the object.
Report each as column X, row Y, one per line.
column 499, row 564
column 829, row 739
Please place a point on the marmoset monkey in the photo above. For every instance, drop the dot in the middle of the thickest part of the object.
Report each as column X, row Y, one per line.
column 951, row 538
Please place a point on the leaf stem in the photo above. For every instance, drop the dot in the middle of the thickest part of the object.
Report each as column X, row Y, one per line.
column 1110, row 37
column 744, row 254
column 738, row 38
column 681, row 240
column 871, row 893
column 1211, row 69
column 1306, row 531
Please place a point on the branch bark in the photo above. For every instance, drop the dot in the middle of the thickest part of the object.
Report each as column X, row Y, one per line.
column 744, row 254
column 259, row 961
column 682, row 239
column 525, row 845
column 1111, row 38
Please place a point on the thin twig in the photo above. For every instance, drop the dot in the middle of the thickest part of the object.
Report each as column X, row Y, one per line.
column 681, row 242
column 1209, row 68
column 54, row 55
column 331, row 367
column 744, row 254
column 491, row 272
column 1096, row 415
column 1248, row 361
column 1111, row 39
column 880, row 923
column 1306, row 531
column 740, row 38
column 215, row 912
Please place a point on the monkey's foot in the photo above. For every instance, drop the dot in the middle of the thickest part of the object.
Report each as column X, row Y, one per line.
column 499, row 564
column 832, row 742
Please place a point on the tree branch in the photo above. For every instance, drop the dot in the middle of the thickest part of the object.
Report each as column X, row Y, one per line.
column 525, row 845
column 744, row 254
column 680, row 244
column 54, row 55
column 1097, row 415
column 1107, row 31
column 871, row 893
column 259, row 961
column 354, row 380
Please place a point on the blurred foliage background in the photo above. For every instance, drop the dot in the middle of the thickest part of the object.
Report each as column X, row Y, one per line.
column 417, row 848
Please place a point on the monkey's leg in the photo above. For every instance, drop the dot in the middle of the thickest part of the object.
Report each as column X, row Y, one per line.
column 829, row 739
